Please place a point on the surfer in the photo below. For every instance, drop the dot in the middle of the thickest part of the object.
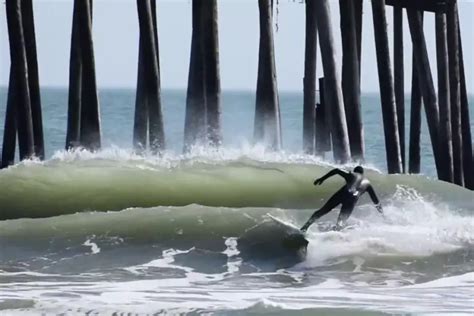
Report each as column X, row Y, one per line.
column 356, row 185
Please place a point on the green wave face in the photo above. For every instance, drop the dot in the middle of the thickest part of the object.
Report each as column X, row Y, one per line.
column 61, row 187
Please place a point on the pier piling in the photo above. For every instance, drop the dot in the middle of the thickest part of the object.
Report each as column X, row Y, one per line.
column 399, row 74
column 309, row 80
column 350, row 79
column 19, row 76
column 332, row 84
column 455, row 91
column 445, row 139
column 267, row 127
column 389, row 113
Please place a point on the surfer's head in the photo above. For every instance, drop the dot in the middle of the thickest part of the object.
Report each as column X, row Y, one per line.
column 359, row 169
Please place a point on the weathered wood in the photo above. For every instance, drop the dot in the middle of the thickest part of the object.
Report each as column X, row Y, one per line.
column 213, row 82
column 359, row 8
column 140, row 123
column 468, row 161
column 389, row 114
column 195, row 118
column 415, row 123
column 323, row 130
column 350, row 79
column 425, row 78
column 9, row 132
column 155, row 31
column 90, row 112
column 309, row 80
column 455, row 91
column 153, row 80
column 420, row 5
column 33, row 77
column 399, row 75
column 20, row 72
column 267, row 108
column 445, row 139
column 340, row 137
column 73, row 131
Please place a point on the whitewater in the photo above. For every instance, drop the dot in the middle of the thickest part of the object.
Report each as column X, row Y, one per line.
column 113, row 232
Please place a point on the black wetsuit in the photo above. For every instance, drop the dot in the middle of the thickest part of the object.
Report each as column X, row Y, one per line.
column 348, row 195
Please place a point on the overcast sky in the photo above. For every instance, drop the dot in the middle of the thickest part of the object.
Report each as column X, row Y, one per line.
column 116, row 43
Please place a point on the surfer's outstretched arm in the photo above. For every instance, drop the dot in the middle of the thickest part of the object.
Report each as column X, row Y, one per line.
column 331, row 173
column 374, row 198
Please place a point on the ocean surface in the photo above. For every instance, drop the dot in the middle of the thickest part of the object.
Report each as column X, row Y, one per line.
column 113, row 233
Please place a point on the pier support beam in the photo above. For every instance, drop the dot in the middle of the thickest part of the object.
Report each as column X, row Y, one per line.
column 455, row 91
column 359, row 8
column 73, row 133
column 33, row 77
column 90, row 113
column 425, row 78
column 195, row 131
column 350, row 79
column 309, row 81
column 468, row 160
column 399, row 75
column 389, row 113
column 19, row 79
column 148, row 106
column 323, row 130
column 10, row 130
column 415, row 122
column 267, row 110
column 445, row 139
column 212, row 77
column 332, row 83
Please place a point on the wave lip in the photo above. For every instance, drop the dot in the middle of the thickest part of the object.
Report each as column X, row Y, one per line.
column 112, row 181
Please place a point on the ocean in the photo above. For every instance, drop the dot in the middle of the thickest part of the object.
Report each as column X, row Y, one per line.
column 115, row 233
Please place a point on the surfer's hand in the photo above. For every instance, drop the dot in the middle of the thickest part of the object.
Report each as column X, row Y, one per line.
column 379, row 208
column 318, row 181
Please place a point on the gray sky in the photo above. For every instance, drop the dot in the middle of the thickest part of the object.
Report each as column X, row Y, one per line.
column 116, row 43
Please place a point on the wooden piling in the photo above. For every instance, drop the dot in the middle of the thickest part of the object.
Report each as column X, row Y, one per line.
column 350, row 79
column 425, row 78
column 392, row 140
column 140, row 123
column 309, row 80
column 415, row 122
column 359, row 8
column 151, row 75
column 323, row 130
column 340, row 137
column 90, row 114
column 455, row 91
column 9, row 132
column 267, row 108
column 211, row 61
column 468, row 160
column 73, row 131
column 33, row 77
column 195, row 118
column 445, row 138
column 19, row 66
column 399, row 75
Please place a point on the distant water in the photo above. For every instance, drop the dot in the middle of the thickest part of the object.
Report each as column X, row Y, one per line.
column 114, row 233
column 238, row 109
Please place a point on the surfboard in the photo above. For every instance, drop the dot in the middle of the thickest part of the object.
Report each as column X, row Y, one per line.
column 294, row 238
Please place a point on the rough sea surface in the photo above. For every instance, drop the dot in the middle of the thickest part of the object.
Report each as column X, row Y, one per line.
column 112, row 233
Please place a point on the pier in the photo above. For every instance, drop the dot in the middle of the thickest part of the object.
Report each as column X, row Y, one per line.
column 332, row 122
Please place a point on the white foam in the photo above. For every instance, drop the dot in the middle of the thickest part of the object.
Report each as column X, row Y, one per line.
column 94, row 248
column 197, row 154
